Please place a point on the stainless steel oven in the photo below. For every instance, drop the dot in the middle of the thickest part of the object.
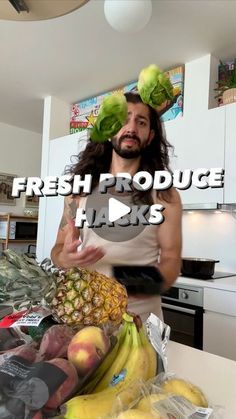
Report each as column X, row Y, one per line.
column 182, row 308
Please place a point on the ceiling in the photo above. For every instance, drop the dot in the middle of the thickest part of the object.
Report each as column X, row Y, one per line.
column 79, row 55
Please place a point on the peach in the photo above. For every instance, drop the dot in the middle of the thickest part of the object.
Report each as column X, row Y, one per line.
column 38, row 415
column 67, row 387
column 87, row 349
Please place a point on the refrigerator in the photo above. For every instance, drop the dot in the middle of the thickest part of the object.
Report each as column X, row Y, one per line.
column 60, row 153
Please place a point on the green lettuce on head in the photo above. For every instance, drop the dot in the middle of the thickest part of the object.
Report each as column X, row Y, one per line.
column 154, row 86
column 111, row 117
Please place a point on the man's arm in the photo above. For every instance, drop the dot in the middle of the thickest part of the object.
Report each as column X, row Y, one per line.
column 169, row 238
column 69, row 213
column 65, row 252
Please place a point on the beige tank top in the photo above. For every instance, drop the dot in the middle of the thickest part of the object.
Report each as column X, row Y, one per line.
column 141, row 250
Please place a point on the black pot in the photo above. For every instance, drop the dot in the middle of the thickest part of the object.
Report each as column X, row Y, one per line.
column 198, row 267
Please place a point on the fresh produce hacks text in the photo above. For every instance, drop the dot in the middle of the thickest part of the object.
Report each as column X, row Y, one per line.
column 201, row 178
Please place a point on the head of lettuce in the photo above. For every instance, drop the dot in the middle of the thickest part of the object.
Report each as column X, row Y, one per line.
column 154, row 86
column 111, row 118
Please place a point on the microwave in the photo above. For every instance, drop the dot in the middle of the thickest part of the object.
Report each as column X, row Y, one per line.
column 19, row 230
column 25, row 230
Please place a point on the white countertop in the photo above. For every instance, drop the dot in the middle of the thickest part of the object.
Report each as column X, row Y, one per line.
column 215, row 375
column 227, row 284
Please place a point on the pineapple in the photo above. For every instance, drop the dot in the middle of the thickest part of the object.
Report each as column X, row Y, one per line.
column 88, row 298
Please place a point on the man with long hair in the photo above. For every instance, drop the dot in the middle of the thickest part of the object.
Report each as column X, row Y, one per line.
column 140, row 145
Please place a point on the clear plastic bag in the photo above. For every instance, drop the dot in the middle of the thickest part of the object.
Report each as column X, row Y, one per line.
column 30, row 387
column 184, row 398
column 155, row 399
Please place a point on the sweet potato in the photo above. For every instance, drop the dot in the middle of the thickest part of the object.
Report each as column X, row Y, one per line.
column 55, row 342
column 67, row 387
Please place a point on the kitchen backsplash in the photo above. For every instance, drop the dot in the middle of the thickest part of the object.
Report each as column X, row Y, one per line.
column 211, row 235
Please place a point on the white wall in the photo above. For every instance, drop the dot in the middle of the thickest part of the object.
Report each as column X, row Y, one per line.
column 205, row 234
column 60, row 117
column 199, row 82
column 211, row 235
column 20, row 154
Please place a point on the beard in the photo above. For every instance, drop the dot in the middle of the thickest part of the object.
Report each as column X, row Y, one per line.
column 127, row 153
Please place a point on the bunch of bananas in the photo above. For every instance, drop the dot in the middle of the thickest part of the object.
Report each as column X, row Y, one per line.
column 131, row 359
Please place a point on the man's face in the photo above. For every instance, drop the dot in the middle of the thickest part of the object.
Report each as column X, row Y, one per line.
column 136, row 134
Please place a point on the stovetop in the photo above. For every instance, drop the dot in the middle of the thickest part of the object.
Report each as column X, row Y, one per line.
column 222, row 275
column 217, row 275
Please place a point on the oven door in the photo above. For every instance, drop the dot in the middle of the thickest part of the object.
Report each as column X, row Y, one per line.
column 185, row 321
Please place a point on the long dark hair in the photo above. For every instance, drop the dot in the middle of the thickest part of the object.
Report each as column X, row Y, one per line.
column 96, row 158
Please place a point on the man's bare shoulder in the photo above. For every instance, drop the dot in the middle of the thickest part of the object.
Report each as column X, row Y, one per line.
column 169, row 198
column 175, row 197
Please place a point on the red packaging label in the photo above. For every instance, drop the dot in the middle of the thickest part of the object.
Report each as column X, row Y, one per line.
column 8, row 321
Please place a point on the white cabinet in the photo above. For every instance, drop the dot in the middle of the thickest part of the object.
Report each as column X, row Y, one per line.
column 219, row 323
column 199, row 143
column 230, row 154
column 219, row 335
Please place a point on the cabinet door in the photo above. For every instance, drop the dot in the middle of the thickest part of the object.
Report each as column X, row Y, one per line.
column 230, row 153
column 219, row 322
column 199, row 143
column 219, row 334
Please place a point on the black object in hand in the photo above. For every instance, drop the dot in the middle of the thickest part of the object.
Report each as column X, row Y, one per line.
column 139, row 279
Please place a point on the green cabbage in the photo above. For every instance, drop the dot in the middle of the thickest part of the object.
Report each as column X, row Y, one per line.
column 111, row 117
column 154, row 86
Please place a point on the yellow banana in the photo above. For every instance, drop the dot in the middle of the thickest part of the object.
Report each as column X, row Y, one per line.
column 121, row 357
column 94, row 406
column 101, row 370
column 137, row 414
column 106, row 364
column 151, row 354
column 186, row 389
column 92, row 382
column 146, row 402
column 99, row 405
column 136, row 365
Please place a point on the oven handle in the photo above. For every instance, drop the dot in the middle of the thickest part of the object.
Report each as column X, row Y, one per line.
column 177, row 308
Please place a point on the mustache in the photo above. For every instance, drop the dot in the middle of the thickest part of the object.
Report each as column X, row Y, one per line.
column 132, row 137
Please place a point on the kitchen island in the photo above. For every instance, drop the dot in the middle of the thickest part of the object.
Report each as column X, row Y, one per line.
column 215, row 375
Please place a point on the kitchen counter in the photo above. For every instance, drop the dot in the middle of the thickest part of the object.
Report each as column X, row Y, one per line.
column 227, row 284
column 215, row 375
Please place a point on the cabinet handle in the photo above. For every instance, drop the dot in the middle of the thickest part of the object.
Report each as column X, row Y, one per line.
column 177, row 308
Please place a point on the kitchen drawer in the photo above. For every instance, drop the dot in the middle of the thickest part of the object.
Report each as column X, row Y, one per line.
column 220, row 301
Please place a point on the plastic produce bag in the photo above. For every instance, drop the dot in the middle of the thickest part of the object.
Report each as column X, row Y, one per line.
column 159, row 334
column 10, row 338
column 30, row 387
column 173, row 395
column 152, row 402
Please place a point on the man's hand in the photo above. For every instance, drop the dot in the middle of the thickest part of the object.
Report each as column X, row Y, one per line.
column 70, row 256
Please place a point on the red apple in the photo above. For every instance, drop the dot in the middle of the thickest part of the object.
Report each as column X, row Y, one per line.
column 87, row 349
